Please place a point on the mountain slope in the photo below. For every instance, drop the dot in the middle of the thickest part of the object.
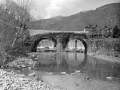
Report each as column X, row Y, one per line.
column 107, row 15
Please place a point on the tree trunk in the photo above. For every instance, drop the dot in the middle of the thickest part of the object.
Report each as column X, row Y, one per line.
column 19, row 33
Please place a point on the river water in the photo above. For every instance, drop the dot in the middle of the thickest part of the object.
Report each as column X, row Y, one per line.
column 61, row 62
column 74, row 62
column 71, row 62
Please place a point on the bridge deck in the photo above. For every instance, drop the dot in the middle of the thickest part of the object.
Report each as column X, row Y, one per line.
column 35, row 32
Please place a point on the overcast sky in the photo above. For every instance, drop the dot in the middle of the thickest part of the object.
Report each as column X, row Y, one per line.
column 51, row 8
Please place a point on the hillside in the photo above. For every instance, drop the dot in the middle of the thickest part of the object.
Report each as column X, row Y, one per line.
column 107, row 15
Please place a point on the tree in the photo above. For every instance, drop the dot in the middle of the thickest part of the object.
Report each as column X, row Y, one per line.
column 12, row 14
column 21, row 11
column 92, row 29
column 116, row 32
column 6, row 27
column 7, row 32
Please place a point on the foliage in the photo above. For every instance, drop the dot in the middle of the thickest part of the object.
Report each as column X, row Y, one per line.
column 117, row 46
column 13, row 19
column 108, row 45
column 116, row 32
column 21, row 12
column 100, row 17
column 7, row 33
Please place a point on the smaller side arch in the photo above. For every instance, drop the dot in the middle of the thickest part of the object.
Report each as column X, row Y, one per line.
column 82, row 40
column 84, row 43
column 36, row 42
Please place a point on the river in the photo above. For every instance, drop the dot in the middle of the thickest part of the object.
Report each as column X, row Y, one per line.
column 74, row 62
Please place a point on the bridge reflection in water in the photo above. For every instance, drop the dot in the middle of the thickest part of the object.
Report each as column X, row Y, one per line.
column 58, row 62
column 70, row 61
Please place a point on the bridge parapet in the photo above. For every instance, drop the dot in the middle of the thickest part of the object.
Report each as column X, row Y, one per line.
column 35, row 32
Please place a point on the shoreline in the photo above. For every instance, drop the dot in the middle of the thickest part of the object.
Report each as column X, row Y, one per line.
column 105, row 57
column 10, row 80
column 77, row 81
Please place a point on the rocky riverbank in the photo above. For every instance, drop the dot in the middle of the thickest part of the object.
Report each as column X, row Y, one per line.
column 10, row 80
column 22, row 63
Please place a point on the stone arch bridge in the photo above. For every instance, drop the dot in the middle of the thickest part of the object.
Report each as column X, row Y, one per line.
column 60, row 38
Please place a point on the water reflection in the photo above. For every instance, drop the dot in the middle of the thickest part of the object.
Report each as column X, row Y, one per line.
column 56, row 62
column 101, row 69
column 71, row 61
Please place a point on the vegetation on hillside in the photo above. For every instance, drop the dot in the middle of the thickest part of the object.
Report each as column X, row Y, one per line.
column 108, row 15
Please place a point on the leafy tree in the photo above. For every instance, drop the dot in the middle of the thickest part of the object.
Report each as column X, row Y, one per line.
column 92, row 29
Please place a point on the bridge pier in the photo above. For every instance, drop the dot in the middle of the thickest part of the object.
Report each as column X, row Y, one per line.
column 59, row 50
column 75, row 44
column 59, row 47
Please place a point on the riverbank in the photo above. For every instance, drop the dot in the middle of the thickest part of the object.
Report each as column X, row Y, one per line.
column 10, row 80
column 106, row 57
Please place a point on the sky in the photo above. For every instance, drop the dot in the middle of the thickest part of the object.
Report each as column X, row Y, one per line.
column 51, row 8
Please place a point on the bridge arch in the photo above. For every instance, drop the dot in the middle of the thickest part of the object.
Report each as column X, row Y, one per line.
column 84, row 42
column 37, row 41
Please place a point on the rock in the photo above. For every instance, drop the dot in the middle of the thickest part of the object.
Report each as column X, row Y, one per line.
column 29, row 68
column 63, row 72
column 72, row 73
column 50, row 73
column 109, row 78
column 87, row 78
column 32, row 74
column 77, row 83
column 77, row 71
column 23, row 66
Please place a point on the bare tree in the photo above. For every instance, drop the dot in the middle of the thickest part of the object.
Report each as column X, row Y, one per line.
column 21, row 11
column 13, row 14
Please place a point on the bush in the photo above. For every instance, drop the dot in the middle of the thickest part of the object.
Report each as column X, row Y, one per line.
column 107, row 45
column 116, row 32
